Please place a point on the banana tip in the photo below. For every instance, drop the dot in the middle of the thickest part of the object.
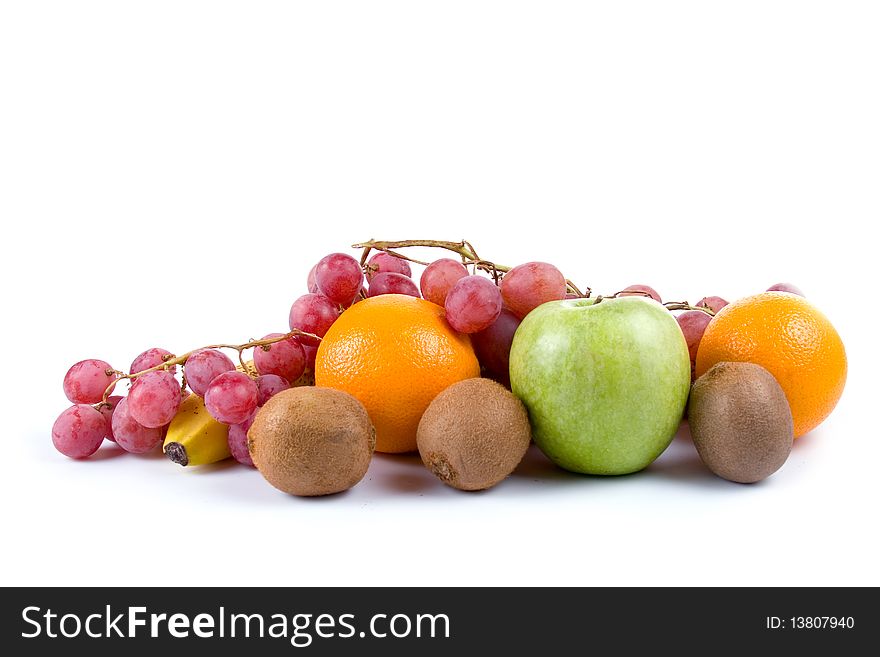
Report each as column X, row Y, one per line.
column 177, row 453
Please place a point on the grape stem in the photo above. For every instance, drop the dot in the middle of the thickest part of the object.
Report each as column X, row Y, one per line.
column 464, row 249
column 469, row 258
column 169, row 361
column 684, row 305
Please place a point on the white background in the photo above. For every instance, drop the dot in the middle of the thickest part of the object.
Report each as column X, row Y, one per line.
column 169, row 171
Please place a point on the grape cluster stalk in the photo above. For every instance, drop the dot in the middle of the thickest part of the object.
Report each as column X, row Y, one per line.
column 469, row 258
column 170, row 360
column 464, row 249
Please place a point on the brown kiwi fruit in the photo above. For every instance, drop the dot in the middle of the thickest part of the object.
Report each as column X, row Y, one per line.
column 474, row 434
column 740, row 421
column 312, row 441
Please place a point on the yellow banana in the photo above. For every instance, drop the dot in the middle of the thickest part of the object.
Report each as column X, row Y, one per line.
column 194, row 437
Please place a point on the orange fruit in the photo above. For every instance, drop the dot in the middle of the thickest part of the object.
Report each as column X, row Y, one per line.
column 394, row 353
column 789, row 337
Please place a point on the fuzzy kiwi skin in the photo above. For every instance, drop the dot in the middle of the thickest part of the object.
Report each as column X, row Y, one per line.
column 740, row 421
column 474, row 434
column 312, row 441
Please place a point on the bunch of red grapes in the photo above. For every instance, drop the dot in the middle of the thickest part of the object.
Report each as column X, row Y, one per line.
column 488, row 309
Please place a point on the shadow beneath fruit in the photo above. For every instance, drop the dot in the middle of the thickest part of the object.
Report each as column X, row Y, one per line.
column 805, row 449
column 213, row 468
column 536, row 475
column 405, row 474
column 538, row 468
column 807, row 442
column 153, row 455
column 397, row 474
column 407, row 483
column 107, row 451
column 319, row 499
column 680, row 463
column 402, row 474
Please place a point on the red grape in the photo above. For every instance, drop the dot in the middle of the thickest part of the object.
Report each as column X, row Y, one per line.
column 492, row 346
column 390, row 283
column 786, row 287
column 311, row 351
column 151, row 358
column 384, row 262
column 204, row 366
column 285, row 358
column 79, row 431
column 693, row 324
column 472, row 304
column 86, row 381
column 339, row 278
column 439, row 277
column 527, row 286
column 269, row 385
column 640, row 291
column 311, row 284
column 231, row 397
column 107, row 412
column 237, row 441
column 154, row 399
column 712, row 303
column 132, row 436
column 312, row 313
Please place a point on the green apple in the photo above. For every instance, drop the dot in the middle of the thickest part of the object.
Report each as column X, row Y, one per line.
column 605, row 381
